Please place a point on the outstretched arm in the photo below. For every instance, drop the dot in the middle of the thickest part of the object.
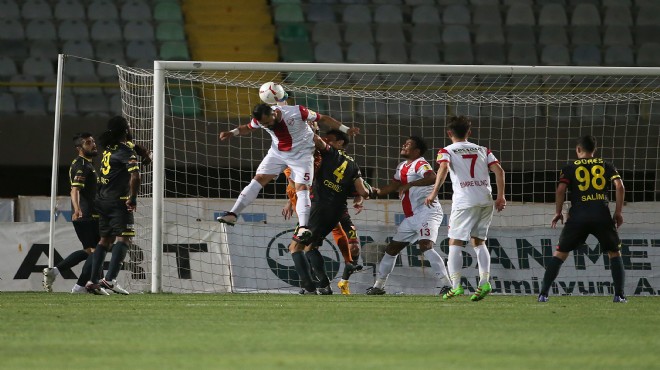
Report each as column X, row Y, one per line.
column 500, row 201
column 389, row 188
column 439, row 181
column 240, row 130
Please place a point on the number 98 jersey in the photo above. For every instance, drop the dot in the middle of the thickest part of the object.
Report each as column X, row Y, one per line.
column 589, row 180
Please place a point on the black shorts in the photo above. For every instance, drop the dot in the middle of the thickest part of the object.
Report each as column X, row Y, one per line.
column 322, row 219
column 87, row 230
column 576, row 231
column 115, row 219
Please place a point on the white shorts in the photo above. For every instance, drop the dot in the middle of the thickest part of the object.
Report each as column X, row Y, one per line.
column 470, row 222
column 302, row 166
column 424, row 224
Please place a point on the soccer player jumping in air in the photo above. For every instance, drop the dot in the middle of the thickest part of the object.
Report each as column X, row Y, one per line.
column 472, row 202
column 292, row 146
column 589, row 179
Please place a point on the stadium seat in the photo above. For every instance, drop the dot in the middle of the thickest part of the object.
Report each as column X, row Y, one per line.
column 648, row 55
column 174, row 50
column 585, row 35
column 522, row 54
column 487, row 14
column 11, row 29
column 458, row 53
column 553, row 35
column 99, row 10
column 69, row 9
column 68, row 104
column 389, row 33
column 646, row 34
column 17, row 49
column 36, row 9
column 489, row 34
column 358, row 32
column 135, row 10
column 619, row 56
column 617, row 15
column 109, row 71
column 648, row 16
column 78, row 67
column 321, row 13
column 424, row 32
column 9, row 10
column 86, row 80
column 93, row 105
column 296, row 52
column 626, row 3
column 419, row 2
column 138, row 49
column 138, row 30
column 520, row 34
column 31, row 104
column 40, row 29
column 73, row 29
column 38, row 67
column 288, row 13
column 517, row 2
column 44, row 48
column 555, row 55
column 618, row 35
column 392, row 53
column 326, row 31
column 644, row 3
column 585, row 15
column 106, row 30
column 109, row 50
column 168, row 11
column 79, row 48
column 456, row 14
column 489, row 53
column 292, row 32
column 7, row 67
column 520, row 14
column 19, row 84
column 301, row 78
column 455, row 34
column 425, row 14
column 361, row 52
column 552, row 15
column 7, row 103
column 328, row 52
column 170, row 31
column 587, row 55
column 388, row 14
column 424, row 53
column 452, row 2
column 356, row 14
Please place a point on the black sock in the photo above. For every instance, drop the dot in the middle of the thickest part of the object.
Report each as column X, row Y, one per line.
column 86, row 273
column 551, row 272
column 318, row 264
column 618, row 275
column 97, row 263
column 72, row 260
column 302, row 268
column 119, row 250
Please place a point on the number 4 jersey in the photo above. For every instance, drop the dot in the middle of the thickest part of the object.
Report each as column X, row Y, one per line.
column 468, row 170
column 589, row 180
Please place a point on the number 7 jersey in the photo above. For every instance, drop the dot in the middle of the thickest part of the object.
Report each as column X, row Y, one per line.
column 468, row 170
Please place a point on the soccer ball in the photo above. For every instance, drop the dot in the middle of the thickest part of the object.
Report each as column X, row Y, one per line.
column 272, row 93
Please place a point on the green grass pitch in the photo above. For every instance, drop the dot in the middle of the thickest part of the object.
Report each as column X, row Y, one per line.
column 276, row 331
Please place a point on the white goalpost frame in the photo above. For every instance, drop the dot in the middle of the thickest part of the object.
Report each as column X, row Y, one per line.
column 159, row 105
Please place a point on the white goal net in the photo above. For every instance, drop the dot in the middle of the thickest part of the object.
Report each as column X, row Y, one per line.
column 528, row 116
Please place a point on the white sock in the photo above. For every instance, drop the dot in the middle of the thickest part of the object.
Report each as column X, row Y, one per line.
column 247, row 196
column 455, row 265
column 302, row 207
column 55, row 271
column 483, row 258
column 438, row 266
column 385, row 269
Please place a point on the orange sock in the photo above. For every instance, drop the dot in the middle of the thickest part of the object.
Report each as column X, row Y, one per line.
column 342, row 242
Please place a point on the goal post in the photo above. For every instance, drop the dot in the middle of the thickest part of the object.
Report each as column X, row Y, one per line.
column 528, row 115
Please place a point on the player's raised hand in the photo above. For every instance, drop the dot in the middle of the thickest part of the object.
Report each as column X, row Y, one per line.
column 558, row 217
column 224, row 135
column 618, row 219
column 353, row 131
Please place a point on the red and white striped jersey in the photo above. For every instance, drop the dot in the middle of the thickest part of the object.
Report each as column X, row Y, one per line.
column 407, row 172
column 291, row 134
column 468, row 169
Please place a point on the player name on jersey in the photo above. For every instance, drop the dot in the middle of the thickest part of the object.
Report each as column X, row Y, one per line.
column 465, row 184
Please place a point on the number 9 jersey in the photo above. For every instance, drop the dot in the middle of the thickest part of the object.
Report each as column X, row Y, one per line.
column 588, row 180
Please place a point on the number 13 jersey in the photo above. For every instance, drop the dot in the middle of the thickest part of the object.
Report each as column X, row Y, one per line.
column 468, row 170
